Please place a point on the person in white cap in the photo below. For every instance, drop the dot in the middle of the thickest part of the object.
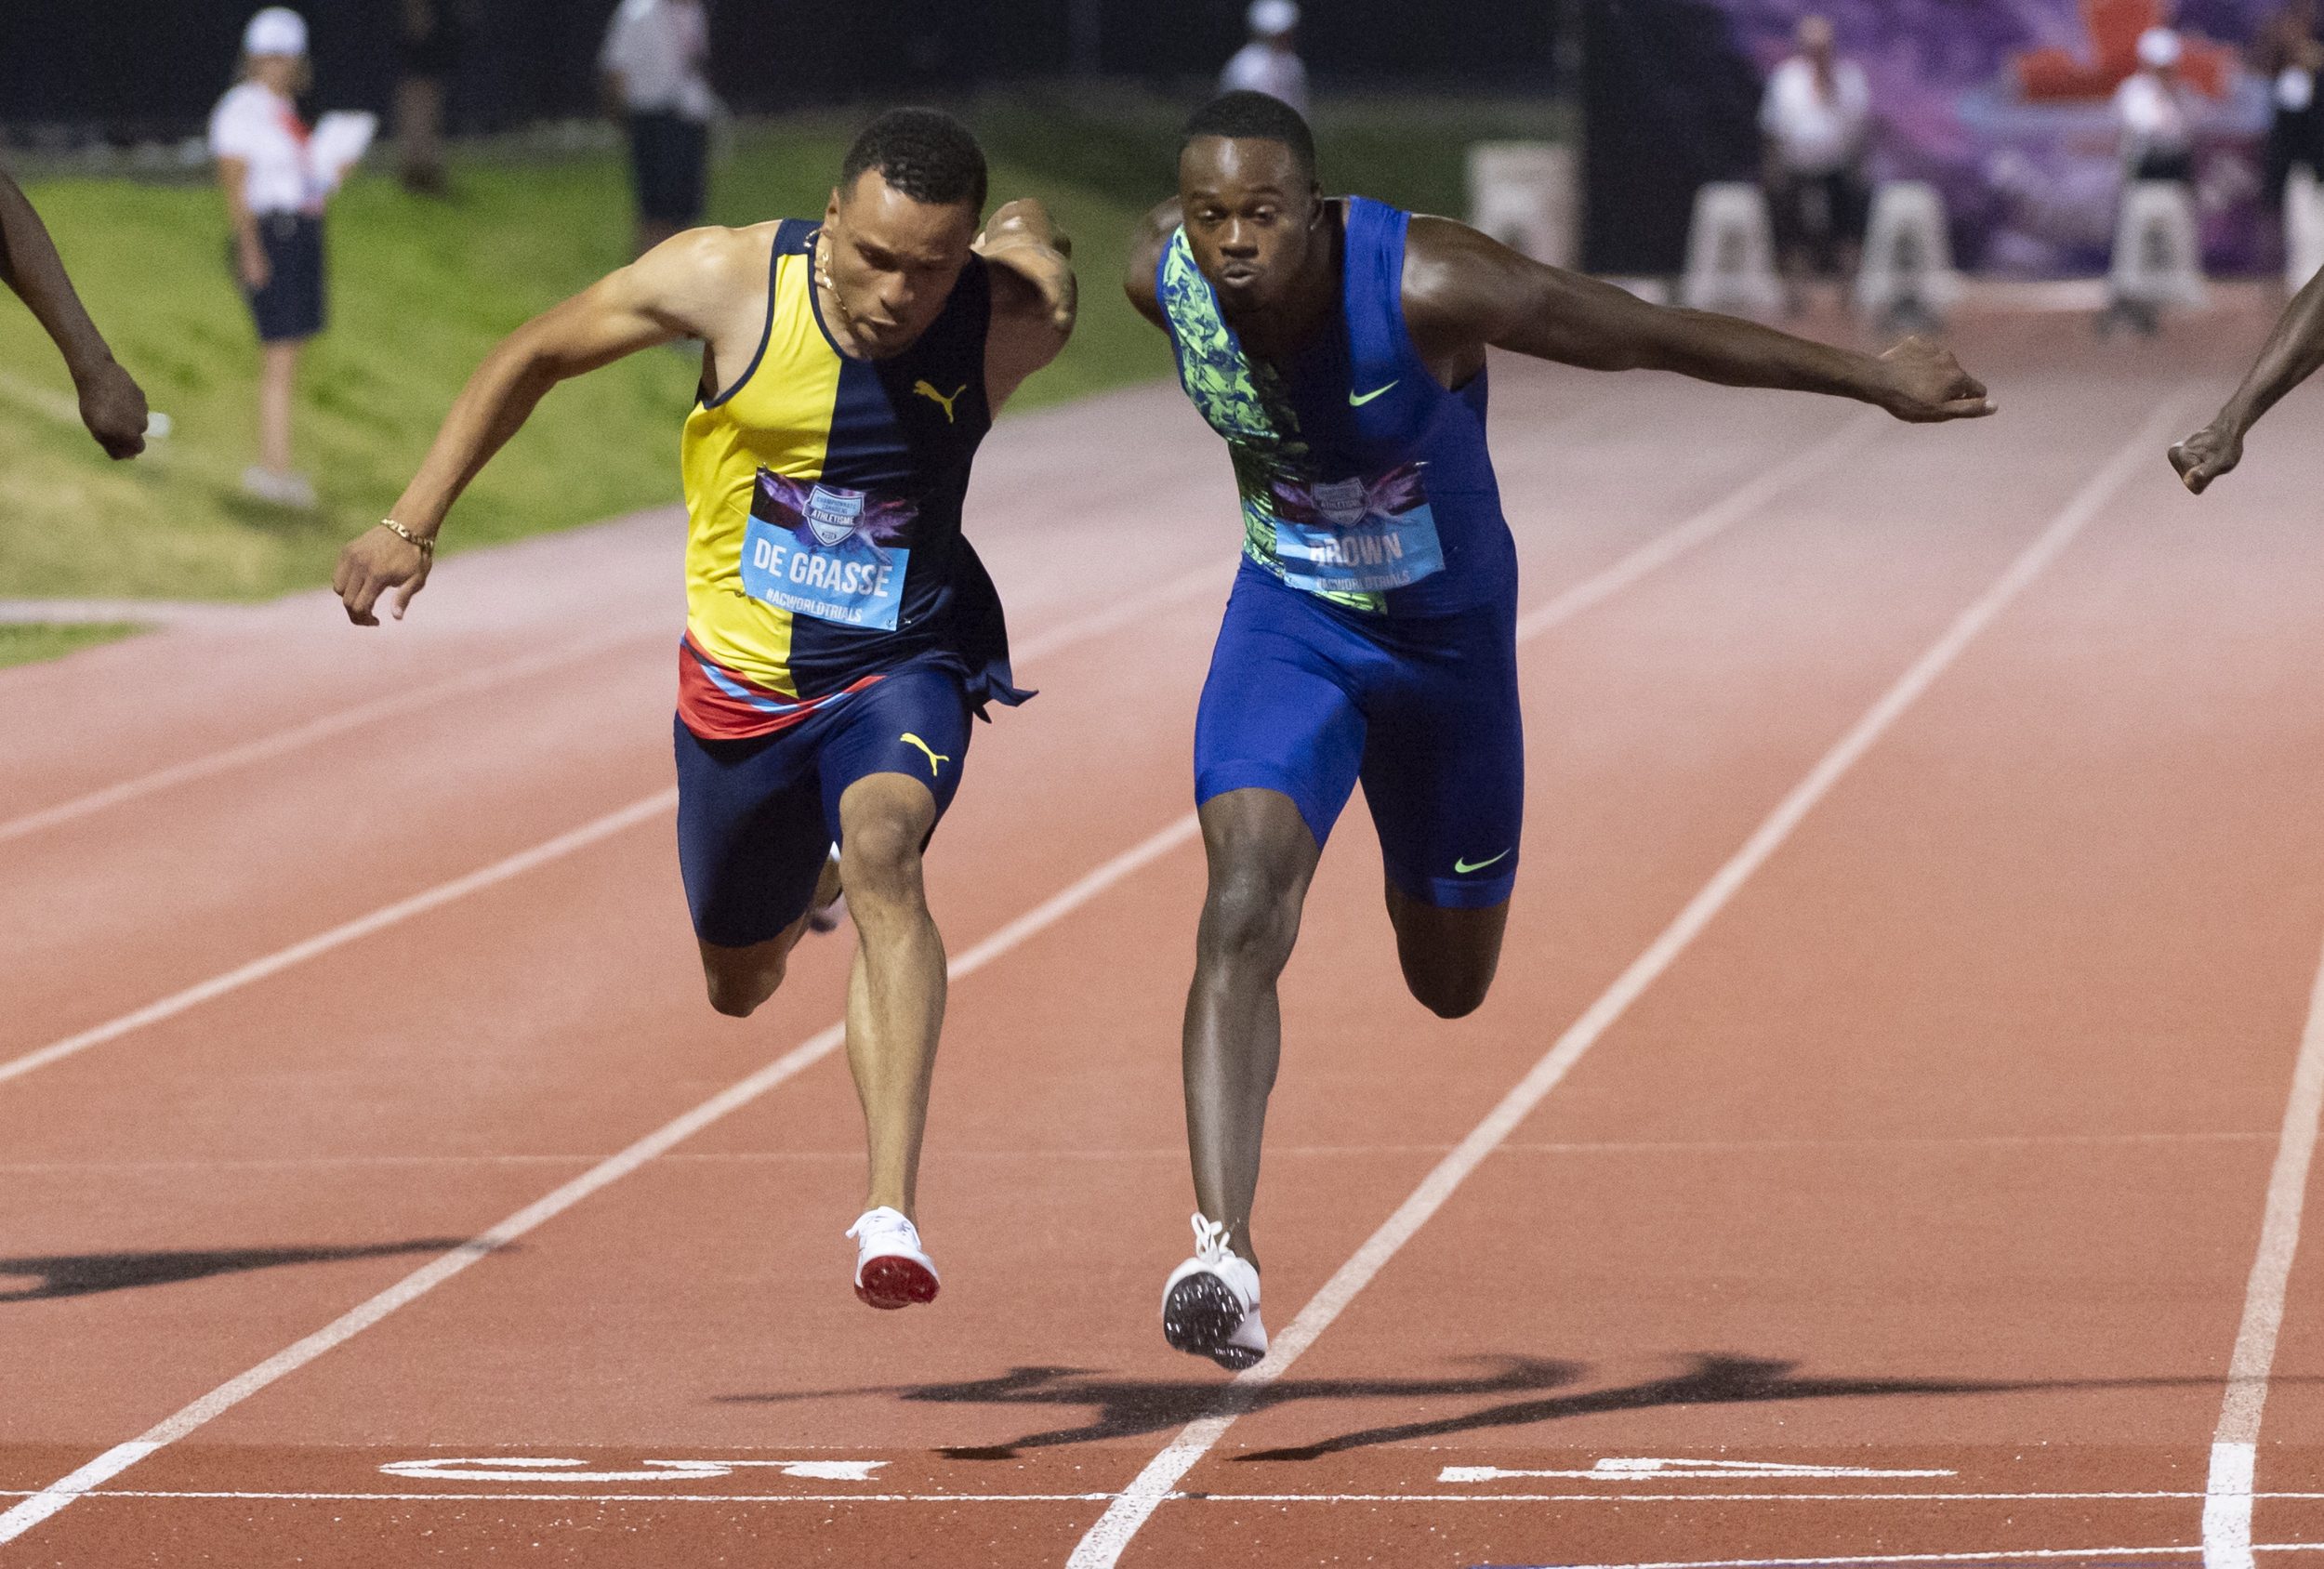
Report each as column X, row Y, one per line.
column 274, row 194
column 2153, row 109
column 1815, row 118
column 655, row 61
column 2157, row 118
column 1270, row 62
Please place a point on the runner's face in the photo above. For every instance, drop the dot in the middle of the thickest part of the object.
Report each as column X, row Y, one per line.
column 893, row 261
column 1251, row 216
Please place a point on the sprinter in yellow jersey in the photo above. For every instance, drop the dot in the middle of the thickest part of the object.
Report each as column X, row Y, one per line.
column 839, row 629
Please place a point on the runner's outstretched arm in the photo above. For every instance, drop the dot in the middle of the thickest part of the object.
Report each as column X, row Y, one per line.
column 112, row 405
column 1463, row 290
column 676, row 290
column 1034, row 296
column 2293, row 352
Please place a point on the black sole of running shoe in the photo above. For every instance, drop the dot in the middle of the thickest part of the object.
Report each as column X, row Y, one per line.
column 1199, row 1317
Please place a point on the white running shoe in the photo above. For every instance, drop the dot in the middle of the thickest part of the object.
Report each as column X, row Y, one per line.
column 1210, row 1303
column 824, row 918
column 890, row 1269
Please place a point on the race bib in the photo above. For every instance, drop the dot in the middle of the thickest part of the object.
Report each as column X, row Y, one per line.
column 1356, row 537
column 826, row 552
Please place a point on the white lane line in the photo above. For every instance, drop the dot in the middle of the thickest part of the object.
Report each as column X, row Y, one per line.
column 2013, row 1555
column 1123, row 613
column 48, row 1501
column 307, row 734
column 1703, row 526
column 24, row 1516
column 2235, row 1444
column 524, row 860
column 1128, row 613
column 339, row 936
column 1432, row 1499
column 1320, row 1151
column 1103, row 1547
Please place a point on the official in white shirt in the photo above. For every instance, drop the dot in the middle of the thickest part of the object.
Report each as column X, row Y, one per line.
column 1815, row 120
column 1270, row 62
column 2156, row 113
column 274, row 194
column 656, row 62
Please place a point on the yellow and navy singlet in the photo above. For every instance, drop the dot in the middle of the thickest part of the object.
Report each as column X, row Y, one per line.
column 824, row 494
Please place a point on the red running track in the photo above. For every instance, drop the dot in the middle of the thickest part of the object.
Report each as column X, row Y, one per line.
column 1899, row 1204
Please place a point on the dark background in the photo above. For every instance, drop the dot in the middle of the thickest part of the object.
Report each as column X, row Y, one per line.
column 130, row 69
column 1667, row 99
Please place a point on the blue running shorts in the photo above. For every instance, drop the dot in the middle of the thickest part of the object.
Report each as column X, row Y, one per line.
column 1306, row 697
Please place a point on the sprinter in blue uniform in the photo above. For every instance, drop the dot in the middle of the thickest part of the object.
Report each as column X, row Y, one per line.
column 1339, row 346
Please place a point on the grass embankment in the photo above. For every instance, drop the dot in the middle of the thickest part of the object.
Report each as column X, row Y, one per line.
column 28, row 642
column 421, row 291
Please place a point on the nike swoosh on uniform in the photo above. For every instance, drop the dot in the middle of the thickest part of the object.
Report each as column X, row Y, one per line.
column 1356, row 403
column 1464, row 868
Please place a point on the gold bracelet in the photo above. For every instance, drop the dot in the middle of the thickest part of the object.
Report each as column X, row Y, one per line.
column 426, row 548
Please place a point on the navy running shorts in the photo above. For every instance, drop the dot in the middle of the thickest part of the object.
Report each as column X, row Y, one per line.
column 1307, row 698
column 290, row 309
column 757, row 818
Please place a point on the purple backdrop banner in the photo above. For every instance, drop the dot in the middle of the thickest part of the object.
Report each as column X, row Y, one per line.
column 2006, row 105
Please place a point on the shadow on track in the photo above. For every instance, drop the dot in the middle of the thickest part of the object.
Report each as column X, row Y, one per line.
column 85, row 1274
column 1131, row 1408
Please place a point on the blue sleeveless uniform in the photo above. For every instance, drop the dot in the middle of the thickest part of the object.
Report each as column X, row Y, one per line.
column 1371, row 634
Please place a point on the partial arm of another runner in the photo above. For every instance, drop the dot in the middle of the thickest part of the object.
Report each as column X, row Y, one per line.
column 2294, row 351
column 1146, row 254
column 1463, row 290
column 690, row 286
column 1035, row 297
column 112, row 405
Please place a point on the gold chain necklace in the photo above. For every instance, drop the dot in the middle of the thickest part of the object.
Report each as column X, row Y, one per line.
column 821, row 268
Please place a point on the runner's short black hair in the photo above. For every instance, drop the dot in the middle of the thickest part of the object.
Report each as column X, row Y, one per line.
column 1241, row 115
column 924, row 152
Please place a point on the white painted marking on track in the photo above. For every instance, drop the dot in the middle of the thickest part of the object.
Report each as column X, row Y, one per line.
column 322, row 729
column 504, row 1496
column 340, row 936
column 2235, row 1442
column 1102, row 1545
column 508, row 1468
column 2002, row 1555
column 1625, row 1470
column 16, row 1521
column 41, row 1506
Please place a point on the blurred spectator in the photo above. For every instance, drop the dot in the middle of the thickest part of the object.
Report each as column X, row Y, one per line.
column 1270, row 62
column 2155, row 109
column 2288, row 56
column 2156, row 112
column 112, row 406
column 275, row 197
column 430, row 46
column 1815, row 118
column 656, row 62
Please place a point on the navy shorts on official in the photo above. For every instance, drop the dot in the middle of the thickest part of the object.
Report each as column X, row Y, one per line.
column 1306, row 697
column 290, row 307
column 669, row 157
column 757, row 818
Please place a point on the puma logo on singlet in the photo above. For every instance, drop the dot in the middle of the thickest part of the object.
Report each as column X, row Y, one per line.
column 928, row 391
column 935, row 758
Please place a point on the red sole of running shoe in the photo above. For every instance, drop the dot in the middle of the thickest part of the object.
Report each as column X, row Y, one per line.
column 895, row 1282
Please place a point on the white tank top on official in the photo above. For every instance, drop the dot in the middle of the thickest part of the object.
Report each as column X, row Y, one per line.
column 291, row 169
column 1817, row 127
column 660, row 49
column 260, row 127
